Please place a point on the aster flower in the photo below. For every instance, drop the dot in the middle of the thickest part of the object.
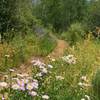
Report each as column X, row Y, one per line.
column 70, row 59
column 35, row 85
column 33, row 93
column 38, row 63
column 20, row 82
column 31, row 86
column 44, row 71
column 25, row 80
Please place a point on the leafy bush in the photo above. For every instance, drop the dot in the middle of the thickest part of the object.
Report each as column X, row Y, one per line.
column 75, row 33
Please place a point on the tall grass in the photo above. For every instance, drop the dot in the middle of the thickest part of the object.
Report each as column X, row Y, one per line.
column 20, row 49
column 87, row 64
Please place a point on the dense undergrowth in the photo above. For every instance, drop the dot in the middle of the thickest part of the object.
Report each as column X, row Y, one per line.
column 77, row 82
column 20, row 49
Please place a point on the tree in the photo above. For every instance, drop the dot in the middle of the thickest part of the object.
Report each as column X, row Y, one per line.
column 94, row 14
column 61, row 13
column 15, row 15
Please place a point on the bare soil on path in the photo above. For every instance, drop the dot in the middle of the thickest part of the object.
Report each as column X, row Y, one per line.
column 55, row 54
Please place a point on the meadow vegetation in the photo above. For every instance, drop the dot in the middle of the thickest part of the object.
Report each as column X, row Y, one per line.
column 30, row 31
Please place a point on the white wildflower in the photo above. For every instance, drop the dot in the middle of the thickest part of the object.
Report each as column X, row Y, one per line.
column 39, row 75
column 84, row 78
column 29, row 86
column 50, row 66
column 53, row 60
column 20, row 82
column 83, row 99
column 44, row 70
column 15, row 87
column 33, row 85
column 7, row 56
column 88, row 97
column 3, row 84
column 45, row 97
column 33, row 93
column 34, row 80
column 86, row 85
column 70, row 59
column 48, row 56
column 38, row 63
column 41, row 67
column 11, row 70
column 59, row 78
column 80, row 84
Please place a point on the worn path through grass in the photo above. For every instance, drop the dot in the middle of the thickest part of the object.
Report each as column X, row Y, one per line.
column 55, row 54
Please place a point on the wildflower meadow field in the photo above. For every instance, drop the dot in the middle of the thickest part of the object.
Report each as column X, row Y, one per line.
column 49, row 49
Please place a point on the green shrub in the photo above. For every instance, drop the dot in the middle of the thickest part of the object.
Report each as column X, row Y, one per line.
column 74, row 34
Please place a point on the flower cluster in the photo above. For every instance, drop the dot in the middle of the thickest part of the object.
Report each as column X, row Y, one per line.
column 86, row 97
column 24, row 82
column 70, row 59
column 3, row 85
column 43, row 68
column 84, row 82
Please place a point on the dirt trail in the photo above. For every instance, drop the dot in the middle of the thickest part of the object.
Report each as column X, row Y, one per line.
column 56, row 53
column 59, row 50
